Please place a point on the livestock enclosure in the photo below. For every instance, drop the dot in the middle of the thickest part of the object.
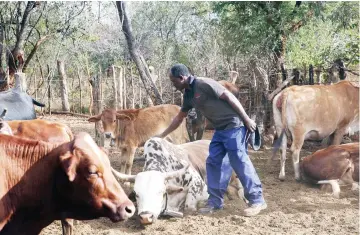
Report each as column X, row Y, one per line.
column 80, row 57
column 293, row 208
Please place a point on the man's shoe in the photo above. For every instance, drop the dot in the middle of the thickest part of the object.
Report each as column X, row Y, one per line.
column 208, row 209
column 255, row 209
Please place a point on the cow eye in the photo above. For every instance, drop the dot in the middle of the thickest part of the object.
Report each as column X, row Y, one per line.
column 115, row 120
column 93, row 171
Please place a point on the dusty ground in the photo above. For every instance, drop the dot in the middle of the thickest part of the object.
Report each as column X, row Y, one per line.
column 293, row 208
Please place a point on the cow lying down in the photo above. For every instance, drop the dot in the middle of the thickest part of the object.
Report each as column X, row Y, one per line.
column 173, row 178
column 336, row 165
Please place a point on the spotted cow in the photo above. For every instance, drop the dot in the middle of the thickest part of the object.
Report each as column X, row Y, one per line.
column 173, row 178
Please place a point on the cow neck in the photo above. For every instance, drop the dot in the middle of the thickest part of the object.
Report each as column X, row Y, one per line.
column 31, row 180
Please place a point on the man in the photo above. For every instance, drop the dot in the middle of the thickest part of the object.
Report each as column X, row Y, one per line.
column 228, row 116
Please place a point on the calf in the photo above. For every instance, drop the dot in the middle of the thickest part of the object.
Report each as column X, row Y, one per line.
column 42, row 182
column 131, row 128
column 173, row 178
column 333, row 165
column 314, row 112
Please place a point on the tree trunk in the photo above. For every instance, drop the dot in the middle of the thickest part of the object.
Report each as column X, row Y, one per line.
column 311, row 75
column 341, row 67
column 115, row 88
column 135, row 55
column 63, row 86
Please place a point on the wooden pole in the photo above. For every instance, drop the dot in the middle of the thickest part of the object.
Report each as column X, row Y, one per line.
column 133, row 88
column 124, row 86
column 80, row 88
column 97, row 101
column 120, row 89
column 49, row 90
column 115, row 88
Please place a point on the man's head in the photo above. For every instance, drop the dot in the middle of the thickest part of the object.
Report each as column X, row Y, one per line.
column 178, row 76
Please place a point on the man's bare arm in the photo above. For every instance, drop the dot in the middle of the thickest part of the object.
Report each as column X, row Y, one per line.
column 236, row 105
column 174, row 124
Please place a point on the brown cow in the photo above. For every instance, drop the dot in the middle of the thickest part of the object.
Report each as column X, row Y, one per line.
column 333, row 165
column 314, row 112
column 39, row 129
column 131, row 128
column 42, row 182
column 47, row 131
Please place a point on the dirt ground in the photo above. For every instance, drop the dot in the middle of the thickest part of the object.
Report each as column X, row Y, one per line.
column 293, row 208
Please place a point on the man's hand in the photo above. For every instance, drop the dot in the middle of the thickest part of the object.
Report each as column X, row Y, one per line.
column 250, row 124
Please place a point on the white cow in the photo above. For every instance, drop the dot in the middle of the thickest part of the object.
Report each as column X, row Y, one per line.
column 173, row 178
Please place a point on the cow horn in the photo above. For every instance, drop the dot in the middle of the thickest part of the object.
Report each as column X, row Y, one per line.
column 123, row 177
column 169, row 175
column 3, row 113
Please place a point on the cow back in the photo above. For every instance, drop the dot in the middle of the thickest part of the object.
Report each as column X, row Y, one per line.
column 19, row 105
column 332, row 162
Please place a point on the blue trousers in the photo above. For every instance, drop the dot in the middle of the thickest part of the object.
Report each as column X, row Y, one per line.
column 227, row 151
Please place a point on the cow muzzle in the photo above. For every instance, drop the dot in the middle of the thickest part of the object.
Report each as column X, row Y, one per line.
column 120, row 213
column 107, row 135
column 146, row 218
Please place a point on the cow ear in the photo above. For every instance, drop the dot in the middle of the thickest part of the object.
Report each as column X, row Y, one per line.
column 174, row 189
column 95, row 118
column 69, row 163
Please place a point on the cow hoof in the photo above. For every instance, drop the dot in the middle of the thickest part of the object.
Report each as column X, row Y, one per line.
column 282, row 177
column 299, row 180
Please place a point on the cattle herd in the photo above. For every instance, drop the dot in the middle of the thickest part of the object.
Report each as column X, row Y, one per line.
column 48, row 173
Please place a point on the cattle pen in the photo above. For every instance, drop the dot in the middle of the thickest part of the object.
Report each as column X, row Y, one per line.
column 293, row 208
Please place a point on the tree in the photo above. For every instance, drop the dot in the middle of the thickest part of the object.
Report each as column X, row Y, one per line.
column 135, row 55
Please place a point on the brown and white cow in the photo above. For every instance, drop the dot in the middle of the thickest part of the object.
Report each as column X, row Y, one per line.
column 337, row 164
column 131, row 128
column 42, row 182
column 314, row 112
column 173, row 179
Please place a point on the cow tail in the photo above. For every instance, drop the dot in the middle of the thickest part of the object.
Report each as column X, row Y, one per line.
column 38, row 103
column 278, row 142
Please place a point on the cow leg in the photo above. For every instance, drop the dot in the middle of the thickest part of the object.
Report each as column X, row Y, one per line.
column 283, row 158
column 338, row 135
column 67, row 226
column 298, row 141
column 334, row 184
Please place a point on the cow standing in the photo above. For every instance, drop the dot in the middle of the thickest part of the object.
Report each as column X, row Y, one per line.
column 173, row 178
column 337, row 164
column 131, row 128
column 42, row 182
column 314, row 113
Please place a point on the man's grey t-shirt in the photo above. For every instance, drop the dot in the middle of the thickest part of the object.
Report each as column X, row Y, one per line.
column 203, row 95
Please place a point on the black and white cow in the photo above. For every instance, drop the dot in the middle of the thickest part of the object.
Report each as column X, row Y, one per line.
column 173, row 178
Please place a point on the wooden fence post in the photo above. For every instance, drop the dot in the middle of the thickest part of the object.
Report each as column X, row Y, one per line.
column 49, row 90
column 97, row 101
column 115, row 88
